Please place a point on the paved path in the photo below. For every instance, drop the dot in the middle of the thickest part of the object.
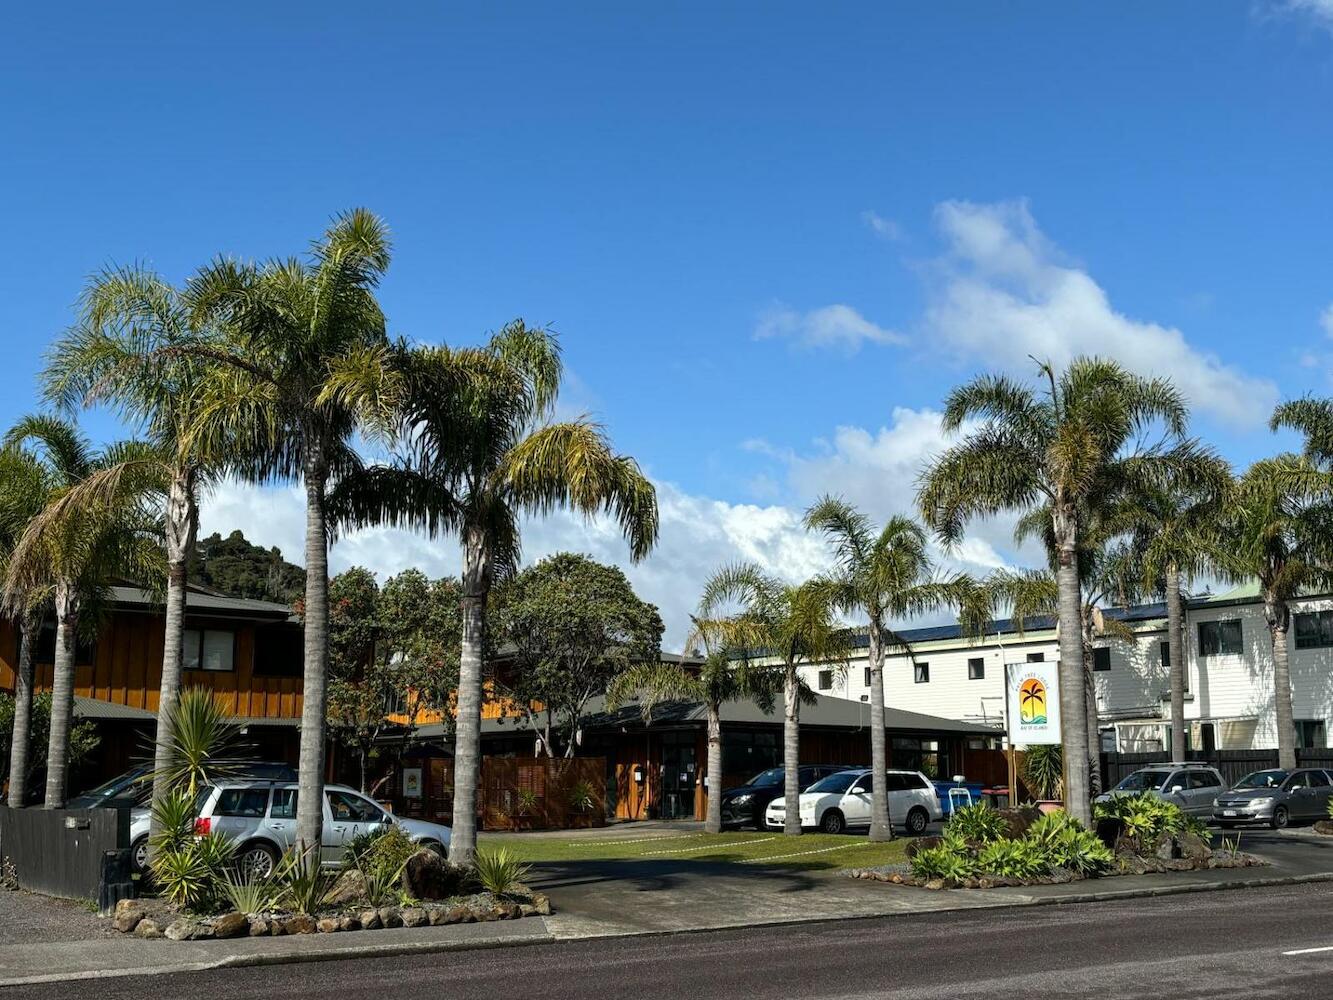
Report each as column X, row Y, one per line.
column 1224, row 944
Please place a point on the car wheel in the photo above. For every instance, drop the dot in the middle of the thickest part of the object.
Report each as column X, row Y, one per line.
column 436, row 846
column 833, row 822
column 917, row 821
column 139, row 856
column 1280, row 817
column 256, row 860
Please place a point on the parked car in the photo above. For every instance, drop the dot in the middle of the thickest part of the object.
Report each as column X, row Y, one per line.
column 134, row 786
column 1275, row 797
column 261, row 818
column 842, row 800
column 745, row 804
column 1193, row 787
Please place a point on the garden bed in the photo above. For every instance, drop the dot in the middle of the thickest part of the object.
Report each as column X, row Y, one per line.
column 983, row 848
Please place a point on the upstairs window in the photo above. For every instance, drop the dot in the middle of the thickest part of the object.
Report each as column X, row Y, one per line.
column 1220, row 638
column 921, row 672
column 209, row 649
column 976, row 669
column 1101, row 658
column 1314, row 630
column 826, row 680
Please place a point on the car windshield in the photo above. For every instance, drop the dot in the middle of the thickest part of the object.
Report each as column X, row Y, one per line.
column 839, row 782
column 773, row 776
column 1262, row 779
column 1142, row 781
column 118, row 786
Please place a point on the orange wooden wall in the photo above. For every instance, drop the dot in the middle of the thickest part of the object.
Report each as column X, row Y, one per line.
column 127, row 669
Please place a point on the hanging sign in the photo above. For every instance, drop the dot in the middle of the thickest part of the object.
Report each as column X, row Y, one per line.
column 1032, row 703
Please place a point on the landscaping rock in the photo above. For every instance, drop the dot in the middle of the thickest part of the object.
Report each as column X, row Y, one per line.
column 370, row 920
column 327, row 925
column 258, row 927
column 436, row 915
column 348, row 890
column 148, row 928
column 1193, row 847
column 1324, row 826
column 231, row 925
column 302, row 923
column 919, row 844
column 128, row 915
column 184, row 929
column 390, row 917
column 543, row 903
column 348, row 923
column 459, row 915
column 429, row 876
column 276, row 927
column 414, row 916
column 1018, row 819
column 1165, row 849
column 935, row 883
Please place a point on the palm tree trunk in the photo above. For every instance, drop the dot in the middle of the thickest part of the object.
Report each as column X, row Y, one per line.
column 62, row 695
column 1073, row 708
column 467, row 732
column 881, row 828
column 18, row 746
column 314, row 710
column 713, row 817
column 1278, row 622
column 1090, row 707
column 1176, row 652
column 791, row 751
column 182, row 523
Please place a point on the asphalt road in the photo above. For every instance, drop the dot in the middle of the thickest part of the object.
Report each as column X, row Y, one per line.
column 1218, row 944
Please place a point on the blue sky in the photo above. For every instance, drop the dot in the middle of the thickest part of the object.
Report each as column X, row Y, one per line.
column 771, row 236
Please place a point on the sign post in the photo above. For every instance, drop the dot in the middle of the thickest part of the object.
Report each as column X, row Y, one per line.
column 1031, row 710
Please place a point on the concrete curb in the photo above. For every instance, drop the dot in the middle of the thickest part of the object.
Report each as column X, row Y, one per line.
column 396, row 949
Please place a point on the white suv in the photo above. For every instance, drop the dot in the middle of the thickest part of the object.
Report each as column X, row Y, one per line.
column 842, row 800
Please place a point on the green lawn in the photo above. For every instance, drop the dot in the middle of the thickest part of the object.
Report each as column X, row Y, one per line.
column 757, row 850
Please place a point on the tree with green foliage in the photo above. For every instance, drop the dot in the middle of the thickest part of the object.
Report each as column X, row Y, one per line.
column 288, row 332
column 574, row 626
column 766, row 622
column 887, row 576
column 236, row 567
column 1060, row 447
column 83, row 742
column 75, row 548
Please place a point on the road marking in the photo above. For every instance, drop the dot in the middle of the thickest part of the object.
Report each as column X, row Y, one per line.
column 801, row 854
column 638, row 840
column 709, row 847
column 1308, row 951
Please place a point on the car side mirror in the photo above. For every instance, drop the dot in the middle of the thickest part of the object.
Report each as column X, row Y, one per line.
column 1177, row 788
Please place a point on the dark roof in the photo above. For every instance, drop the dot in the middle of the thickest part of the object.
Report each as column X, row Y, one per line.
column 836, row 713
column 204, row 602
column 95, row 708
column 1008, row 626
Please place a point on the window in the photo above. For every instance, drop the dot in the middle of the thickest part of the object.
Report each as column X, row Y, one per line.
column 1203, row 779
column 1164, row 651
column 826, row 680
column 45, row 651
column 1314, row 630
column 867, row 677
column 1220, row 638
column 897, row 782
column 864, row 785
column 209, row 649
column 284, row 804
column 1310, row 734
column 1036, row 657
column 1101, row 658
column 1301, row 779
column 279, row 651
column 976, row 669
column 251, row 803
column 348, row 808
column 1318, row 779
column 921, row 671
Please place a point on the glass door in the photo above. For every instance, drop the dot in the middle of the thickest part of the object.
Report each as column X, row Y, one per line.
column 679, row 767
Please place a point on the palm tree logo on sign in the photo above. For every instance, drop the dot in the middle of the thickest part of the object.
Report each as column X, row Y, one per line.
column 1032, row 702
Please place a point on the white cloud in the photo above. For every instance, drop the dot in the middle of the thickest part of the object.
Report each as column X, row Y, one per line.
column 836, row 326
column 886, row 228
column 1326, row 317
column 1320, row 10
column 1004, row 292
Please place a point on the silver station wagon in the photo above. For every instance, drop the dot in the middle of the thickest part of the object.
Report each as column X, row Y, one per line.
column 260, row 817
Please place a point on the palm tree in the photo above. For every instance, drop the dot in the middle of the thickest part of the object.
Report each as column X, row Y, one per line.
column 713, row 683
column 75, row 547
column 25, row 486
column 475, row 458
column 1278, row 527
column 286, row 331
column 126, row 351
column 887, row 577
column 792, row 625
column 1059, row 448
column 1175, row 531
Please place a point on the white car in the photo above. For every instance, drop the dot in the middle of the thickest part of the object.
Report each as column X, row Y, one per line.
column 842, row 800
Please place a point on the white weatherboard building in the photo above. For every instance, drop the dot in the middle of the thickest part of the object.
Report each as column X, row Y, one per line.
column 1228, row 671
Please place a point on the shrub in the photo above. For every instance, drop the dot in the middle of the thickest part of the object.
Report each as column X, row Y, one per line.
column 1014, row 859
column 174, row 813
column 1043, row 770
column 301, row 883
column 193, row 874
column 977, row 824
column 582, row 797
column 380, row 852
column 499, row 871
column 248, row 895
column 943, row 862
column 1147, row 817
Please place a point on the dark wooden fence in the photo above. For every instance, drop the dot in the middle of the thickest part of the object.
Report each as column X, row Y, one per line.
column 560, row 793
column 64, row 852
column 1234, row 764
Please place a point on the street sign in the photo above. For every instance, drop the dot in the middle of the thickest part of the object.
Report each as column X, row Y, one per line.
column 1032, row 703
